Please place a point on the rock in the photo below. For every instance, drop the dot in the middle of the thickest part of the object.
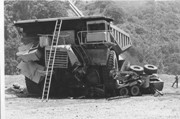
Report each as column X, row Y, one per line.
column 16, row 86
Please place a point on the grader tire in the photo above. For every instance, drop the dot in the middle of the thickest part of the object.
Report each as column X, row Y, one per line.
column 150, row 69
column 137, row 69
column 32, row 87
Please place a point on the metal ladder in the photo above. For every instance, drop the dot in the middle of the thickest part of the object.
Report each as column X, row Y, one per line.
column 121, row 38
column 52, row 55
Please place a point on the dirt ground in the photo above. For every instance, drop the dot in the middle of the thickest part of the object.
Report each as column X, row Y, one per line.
column 19, row 106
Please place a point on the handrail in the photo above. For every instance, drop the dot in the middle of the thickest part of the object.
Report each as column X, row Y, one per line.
column 118, row 29
column 122, row 39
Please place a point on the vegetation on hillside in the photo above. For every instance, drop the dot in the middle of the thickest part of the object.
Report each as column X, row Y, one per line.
column 154, row 27
column 22, row 10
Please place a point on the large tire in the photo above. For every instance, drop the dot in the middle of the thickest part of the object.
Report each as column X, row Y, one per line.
column 137, row 69
column 32, row 87
column 150, row 69
column 112, row 62
column 109, row 83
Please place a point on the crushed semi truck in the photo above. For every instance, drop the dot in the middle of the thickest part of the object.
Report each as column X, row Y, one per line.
column 74, row 56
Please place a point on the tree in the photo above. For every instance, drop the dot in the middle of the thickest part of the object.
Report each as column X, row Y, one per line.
column 22, row 10
column 116, row 13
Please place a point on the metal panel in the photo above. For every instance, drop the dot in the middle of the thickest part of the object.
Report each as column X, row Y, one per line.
column 98, row 56
column 61, row 59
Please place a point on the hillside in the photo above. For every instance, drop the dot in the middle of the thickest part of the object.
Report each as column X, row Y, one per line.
column 154, row 27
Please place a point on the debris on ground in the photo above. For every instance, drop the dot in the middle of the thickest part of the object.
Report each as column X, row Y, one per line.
column 157, row 92
column 16, row 86
column 118, row 97
column 16, row 89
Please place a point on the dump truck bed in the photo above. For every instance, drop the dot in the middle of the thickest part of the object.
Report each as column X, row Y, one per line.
column 69, row 20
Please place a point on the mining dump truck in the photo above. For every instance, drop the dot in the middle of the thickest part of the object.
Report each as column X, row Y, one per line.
column 72, row 56
column 59, row 54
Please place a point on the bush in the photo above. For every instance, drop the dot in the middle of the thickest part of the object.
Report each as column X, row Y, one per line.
column 173, row 68
column 116, row 13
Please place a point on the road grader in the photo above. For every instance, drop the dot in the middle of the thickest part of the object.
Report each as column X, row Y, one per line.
column 74, row 56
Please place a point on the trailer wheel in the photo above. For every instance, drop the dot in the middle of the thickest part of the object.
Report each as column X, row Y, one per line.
column 32, row 87
column 150, row 69
column 135, row 91
column 123, row 91
column 137, row 69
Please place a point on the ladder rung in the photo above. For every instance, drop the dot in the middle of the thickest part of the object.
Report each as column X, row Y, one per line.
column 47, row 85
column 46, row 88
column 46, row 91
column 55, row 38
column 49, row 72
column 50, row 63
column 47, row 80
column 54, row 42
